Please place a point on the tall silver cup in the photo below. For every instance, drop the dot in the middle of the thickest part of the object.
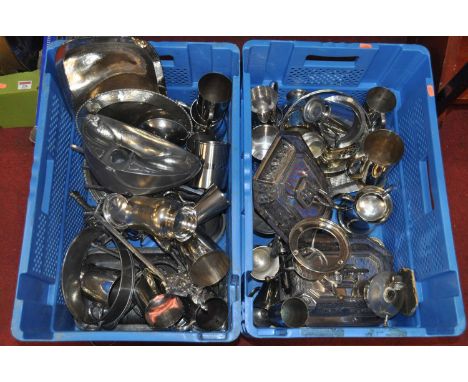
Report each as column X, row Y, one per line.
column 379, row 102
column 208, row 264
column 215, row 158
column 295, row 118
column 264, row 101
column 212, row 203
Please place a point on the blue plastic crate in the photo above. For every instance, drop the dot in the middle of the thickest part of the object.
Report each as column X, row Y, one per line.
column 53, row 219
column 418, row 233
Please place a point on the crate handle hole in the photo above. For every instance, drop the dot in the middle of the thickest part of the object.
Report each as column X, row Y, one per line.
column 313, row 57
column 166, row 57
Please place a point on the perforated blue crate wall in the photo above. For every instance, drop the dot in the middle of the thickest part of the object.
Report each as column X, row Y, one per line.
column 418, row 232
column 54, row 219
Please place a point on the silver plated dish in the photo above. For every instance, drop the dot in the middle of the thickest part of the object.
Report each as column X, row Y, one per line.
column 147, row 110
column 89, row 66
column 128, row 160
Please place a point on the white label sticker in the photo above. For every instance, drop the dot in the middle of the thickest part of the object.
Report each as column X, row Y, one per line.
column 24, row 85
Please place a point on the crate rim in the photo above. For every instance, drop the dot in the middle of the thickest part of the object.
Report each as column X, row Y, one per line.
column 311, row 43
column 247, row 325
column 129, row 336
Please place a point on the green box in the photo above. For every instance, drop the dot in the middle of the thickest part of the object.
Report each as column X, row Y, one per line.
column 18, row 99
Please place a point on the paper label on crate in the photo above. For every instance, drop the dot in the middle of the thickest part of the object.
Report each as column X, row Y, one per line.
column 24, row 85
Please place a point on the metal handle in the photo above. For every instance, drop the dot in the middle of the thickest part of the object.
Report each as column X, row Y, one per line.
column 348, row 197
column 274, row 86
column 80, row 200
column 304, row 97
column 322, row 198
column 390, row 188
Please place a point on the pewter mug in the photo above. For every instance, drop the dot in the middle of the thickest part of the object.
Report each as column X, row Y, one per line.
column 382, row 150
column 214, row 95
column 379, row 102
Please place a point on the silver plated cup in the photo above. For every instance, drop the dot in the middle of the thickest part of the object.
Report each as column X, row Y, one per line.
column 264, row 101
column 262, row 138
column 214, row 95
column 379, row 102
column 215, row 158
column 382, row 150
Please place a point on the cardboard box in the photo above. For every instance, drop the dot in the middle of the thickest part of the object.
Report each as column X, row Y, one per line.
column 18, row 99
